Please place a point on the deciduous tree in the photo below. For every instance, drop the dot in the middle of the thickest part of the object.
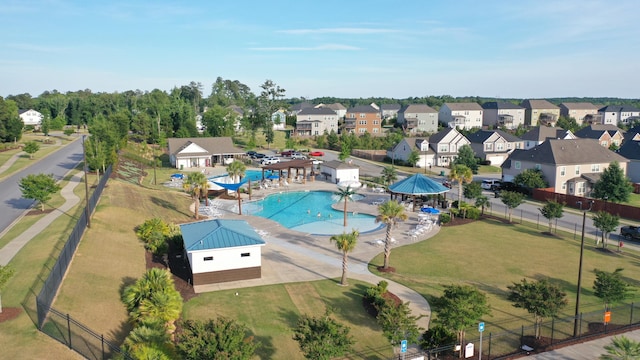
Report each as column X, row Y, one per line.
column 6, row 272
column 511, row 200
column 460, row 307
column 31, row 147
column 606, row 223
column 413, row 158
column 38, row 187
column 552, row 210
column 472, row 190
column 530, row 178
column 539, row 298
column 322, row 337
column 467, row 157
column 613, row 185
column 610, row 287
column 398, row 324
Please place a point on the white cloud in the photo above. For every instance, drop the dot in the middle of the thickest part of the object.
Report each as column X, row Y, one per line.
column 339, row 30
column 325, row 47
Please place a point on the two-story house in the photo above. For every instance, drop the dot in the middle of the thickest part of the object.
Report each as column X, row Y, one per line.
column 315, row 121
column 494, row 145
column 389, row 111
column 339, row 109
column 540, row 112
column 616, row 114
column 445, row 145
column 630, row 149
column 31, row 117
column 540, row 134
column 502, row 114
column 296, row 108
column 417, row 118
column 404, row 148
column 461, row 115
column 570, row 166
column 582, row 112
column 606, row 135
column 362, row 119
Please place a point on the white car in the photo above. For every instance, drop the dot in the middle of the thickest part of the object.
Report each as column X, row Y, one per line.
column 269, row 160
column 490, row 184
column 298, row 156
column 316, row 161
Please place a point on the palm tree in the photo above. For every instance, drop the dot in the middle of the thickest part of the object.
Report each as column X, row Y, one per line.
column 236, row 171
column 345, row 243
column 193, row 185
column 389, row 174
column 390, row 212
column 462, row 175
column 622, row 348
column 154, row 280
column 165, row 306
column 345, row 194
column 482, row 202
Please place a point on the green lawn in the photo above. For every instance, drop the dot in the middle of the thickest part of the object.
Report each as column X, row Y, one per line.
column 491, row 255
column 489, row 169
column 634, row 200
column 271, row 312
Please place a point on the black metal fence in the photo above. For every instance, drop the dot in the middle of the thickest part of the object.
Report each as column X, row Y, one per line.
column 80, row 338
column 60, row 326
column 503, row 344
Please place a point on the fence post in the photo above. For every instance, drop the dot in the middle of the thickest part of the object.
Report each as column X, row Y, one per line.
column 538, row 222
column 556, row 226
column 575, row 230
column 580, row 325
column 521, row 335
column 489, row 355
column 102, row 344
column 69, row 330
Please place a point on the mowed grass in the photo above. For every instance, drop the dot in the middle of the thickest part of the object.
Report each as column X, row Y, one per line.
column 491, row 255
column 110, row 256
column 271, row 313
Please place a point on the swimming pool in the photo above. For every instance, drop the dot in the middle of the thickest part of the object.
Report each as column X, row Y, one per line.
column 310, row 212
column 253, row 175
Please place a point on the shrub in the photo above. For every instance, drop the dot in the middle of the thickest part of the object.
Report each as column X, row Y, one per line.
column 445, row 218
column 473, row 213
column 437, row 336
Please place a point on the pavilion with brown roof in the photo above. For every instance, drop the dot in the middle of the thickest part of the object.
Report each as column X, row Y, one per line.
column 295, row 164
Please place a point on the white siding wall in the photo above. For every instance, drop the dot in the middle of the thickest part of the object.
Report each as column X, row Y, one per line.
column 225, row 259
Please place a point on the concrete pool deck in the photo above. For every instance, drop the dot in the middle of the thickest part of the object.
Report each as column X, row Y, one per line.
column 292, row 256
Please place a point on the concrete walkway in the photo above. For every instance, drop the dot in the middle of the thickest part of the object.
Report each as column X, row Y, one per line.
column 12, row 248
column 4, row 167
column 586, row 351
column 292, row 256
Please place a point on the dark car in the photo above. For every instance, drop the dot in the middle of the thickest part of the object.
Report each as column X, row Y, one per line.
column 259, row 156
column 446, row 184
column 287, row 153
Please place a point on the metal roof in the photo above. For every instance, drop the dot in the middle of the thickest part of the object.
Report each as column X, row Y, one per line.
column 418, row 184
column 218, row 234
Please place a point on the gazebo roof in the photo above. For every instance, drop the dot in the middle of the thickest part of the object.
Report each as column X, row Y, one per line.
column 418, row 184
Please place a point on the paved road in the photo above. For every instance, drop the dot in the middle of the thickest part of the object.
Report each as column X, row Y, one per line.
column 58, row 163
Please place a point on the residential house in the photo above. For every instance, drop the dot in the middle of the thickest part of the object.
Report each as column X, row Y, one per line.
column 221, row 251
column 630, row 149
column 279, row 120
column 202, row 151
column 315, row 121
column 31, row 117
column 540, row 112
column 237, row 114
column 418, row 118
column 606, row 135
column 338, row 171
column 582, row 112
column 362, row 119
column 570, row 166
column 461, row 115
column 339, row 109
column 445, row 145
column 616, row 114
column 296, row 108
column 404, row 148
column 389, row 111
column 502, row 114
column 494, row 145
column 540, row 134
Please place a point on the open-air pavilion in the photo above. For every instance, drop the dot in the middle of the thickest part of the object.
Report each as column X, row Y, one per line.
column 296, row 164
column 416, row 185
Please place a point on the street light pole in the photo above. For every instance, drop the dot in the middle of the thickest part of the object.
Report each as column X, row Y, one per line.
column 577, row 313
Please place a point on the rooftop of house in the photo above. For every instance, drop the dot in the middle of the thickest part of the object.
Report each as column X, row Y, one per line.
column 218, row 234
column 542, row 133
column 568, row 152
column 316, row 111
column 471, row 106
column 363, row 109
column 417, row 108
column 482, row 136
column 390, row 107
column 501, row 105
column 619, row 108
column 579, row 106
column 538, row 104
column 214, row 145
column 595, row 131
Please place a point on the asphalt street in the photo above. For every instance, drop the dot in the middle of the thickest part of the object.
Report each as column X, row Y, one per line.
column 59, row 163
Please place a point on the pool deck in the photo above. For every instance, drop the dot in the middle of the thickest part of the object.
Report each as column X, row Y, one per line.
column 292, row 256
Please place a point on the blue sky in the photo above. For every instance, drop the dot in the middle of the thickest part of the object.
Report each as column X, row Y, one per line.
column 521, row 49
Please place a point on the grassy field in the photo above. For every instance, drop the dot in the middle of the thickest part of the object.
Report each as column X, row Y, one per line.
column 23, row 161
column 272, row 311
column 491, row 255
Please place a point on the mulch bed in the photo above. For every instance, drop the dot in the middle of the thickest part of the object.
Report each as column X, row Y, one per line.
column 9, row 313
column 39, row 212
column 371, row 310
column 179, row 269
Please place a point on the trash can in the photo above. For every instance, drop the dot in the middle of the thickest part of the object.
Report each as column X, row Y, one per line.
column 442, row 173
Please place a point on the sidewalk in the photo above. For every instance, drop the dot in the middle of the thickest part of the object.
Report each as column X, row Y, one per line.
column 586, row 351
column 12, row 248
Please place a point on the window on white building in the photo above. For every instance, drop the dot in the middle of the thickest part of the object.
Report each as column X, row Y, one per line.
column 208, row 258
column 517, row 165
column 563, row 170
column 564, row 185
column 538, row 167
column 595, row 168
column 245, row 254
column 577, row 169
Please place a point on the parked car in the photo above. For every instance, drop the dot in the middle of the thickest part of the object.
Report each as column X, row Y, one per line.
column 630, row 232
column 317, row 161
column 446, row 183
column 269, row 160
column 298, row 156
column 316, row 153
column 287, row 153
column 251, row 153
column 490, row 184
column 259, row 156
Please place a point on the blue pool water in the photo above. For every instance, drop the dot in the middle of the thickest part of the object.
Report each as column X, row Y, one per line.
column 311, row 212
column 253, row 175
